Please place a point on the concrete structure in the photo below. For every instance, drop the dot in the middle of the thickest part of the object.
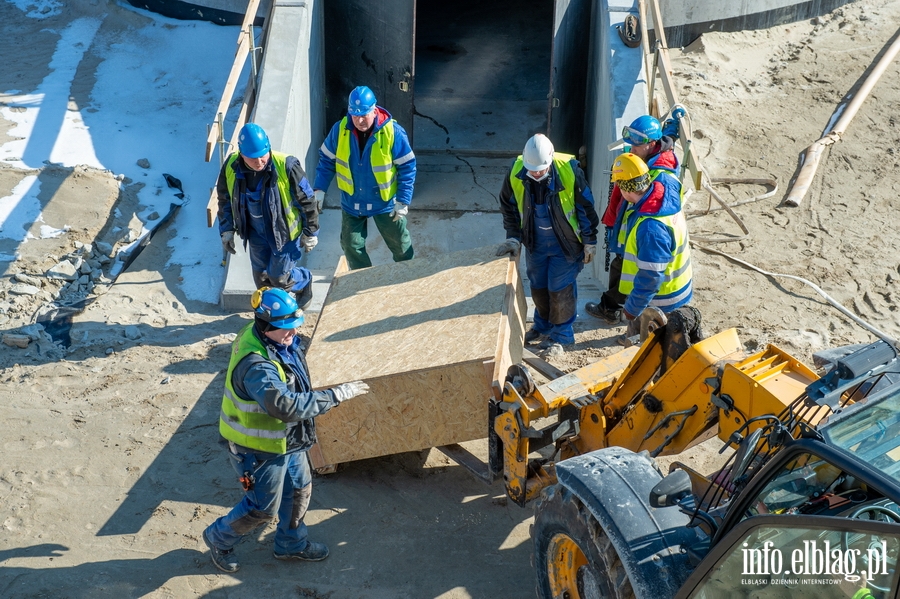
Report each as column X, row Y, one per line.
column 470, row 82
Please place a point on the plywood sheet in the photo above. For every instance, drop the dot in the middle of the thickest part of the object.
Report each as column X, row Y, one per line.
column 413, row 315
column 430, row 337
column 398, row 416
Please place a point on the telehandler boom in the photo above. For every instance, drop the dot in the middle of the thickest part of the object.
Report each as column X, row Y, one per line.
column 608, row 524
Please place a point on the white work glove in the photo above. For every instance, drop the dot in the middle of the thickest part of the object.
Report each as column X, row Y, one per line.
column 320, row 199
column 510, row 246
column 345, row 391
column 400, row 210
column 590, row 250
column 228, row 242
column 308, row 242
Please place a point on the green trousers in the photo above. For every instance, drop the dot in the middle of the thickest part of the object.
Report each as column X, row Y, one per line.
column 354, row 230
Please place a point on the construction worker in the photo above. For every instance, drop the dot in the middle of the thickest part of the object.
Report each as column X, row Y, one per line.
column 267, row 422
column 655, row 144
column 548, row 207
column 651, row 229
column 376, row 170
column 265, row 198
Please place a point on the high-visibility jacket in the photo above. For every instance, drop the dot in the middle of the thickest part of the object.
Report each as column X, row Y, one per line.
column 292, row 216
column 245, row 421
column 382, row 160
column 667, row 177
column 566, row 194
column 676, row 284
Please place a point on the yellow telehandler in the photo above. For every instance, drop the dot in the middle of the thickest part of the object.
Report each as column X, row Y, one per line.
column 817, row 469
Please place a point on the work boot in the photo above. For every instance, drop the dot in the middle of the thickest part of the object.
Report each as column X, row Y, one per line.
column 304, row 296
column 314, row 552
column 225, row 560
column 532, row 336
column 598, row 311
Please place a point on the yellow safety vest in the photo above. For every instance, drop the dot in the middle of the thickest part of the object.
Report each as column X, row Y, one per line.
column 292, row 217
column 655, row 173
column 566, row 194
column 245, row 421
column 382, row 161
column 677, row 274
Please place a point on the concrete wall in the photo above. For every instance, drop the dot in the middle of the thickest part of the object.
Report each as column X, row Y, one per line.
column 686, row 20
column 290, row 106
column 617, row 94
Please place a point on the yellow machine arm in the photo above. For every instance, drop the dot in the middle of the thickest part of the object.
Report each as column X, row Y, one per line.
column 661, row 397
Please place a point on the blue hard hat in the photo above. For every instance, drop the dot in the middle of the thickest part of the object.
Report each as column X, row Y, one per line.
column 278, row 308
column 642, row 130
column 253, row 141
column 361, row 102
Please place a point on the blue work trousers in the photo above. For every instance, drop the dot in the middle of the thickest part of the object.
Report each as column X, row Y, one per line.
column 549, row 271
column 270, row 267
column 276, row 490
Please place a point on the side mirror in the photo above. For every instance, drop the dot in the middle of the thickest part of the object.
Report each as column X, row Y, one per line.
column 670, row 490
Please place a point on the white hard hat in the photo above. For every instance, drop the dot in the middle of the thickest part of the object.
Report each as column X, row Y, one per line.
column 538, row 153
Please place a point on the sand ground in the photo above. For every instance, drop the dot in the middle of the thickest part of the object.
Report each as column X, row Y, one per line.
column 111, row 468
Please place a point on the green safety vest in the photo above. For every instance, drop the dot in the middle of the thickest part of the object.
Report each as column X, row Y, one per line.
column 566, row 194
column 292, row 217
column 382, row 161
column 244, row 421
column 677, row 274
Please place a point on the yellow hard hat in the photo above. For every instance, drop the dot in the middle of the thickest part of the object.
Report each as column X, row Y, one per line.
column 630, row 172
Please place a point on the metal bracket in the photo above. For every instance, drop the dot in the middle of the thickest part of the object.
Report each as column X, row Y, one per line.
column 665, row 422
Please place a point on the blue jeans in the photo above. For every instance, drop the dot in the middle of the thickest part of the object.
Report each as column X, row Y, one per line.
column 283, row 487
column 553, row 274
column 277, row 266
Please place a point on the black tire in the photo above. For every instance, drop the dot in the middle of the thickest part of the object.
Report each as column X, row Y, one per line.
column 574, row 557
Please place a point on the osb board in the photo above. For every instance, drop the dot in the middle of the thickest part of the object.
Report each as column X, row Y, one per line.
column 413, row 315
column 396, row 416
column 429, row 337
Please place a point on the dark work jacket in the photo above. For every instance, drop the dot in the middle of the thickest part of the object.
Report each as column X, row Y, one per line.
column 277, row 233
column 293, row 402
column 522, row 228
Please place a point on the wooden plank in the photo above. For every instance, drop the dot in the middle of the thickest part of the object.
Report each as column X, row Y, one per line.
column 230, row 85
column 249, row 17
column 665, row 74
column 543, row 368
column 428, row 337
column 658, row 28
column 242, row 50
column 212, row 206
column 512, row 326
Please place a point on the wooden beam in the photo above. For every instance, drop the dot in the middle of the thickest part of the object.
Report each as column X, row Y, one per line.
column 665, row 74
column 230, row 85
column 249, row 17
column 658, row 23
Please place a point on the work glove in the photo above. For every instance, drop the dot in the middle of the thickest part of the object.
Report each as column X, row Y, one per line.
column 228, row 242
column 320, row 199
column 345, row 391
column 308, row 242
column 670, row 125
column 590, row 250
column 509, row 247
column 400, row 210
